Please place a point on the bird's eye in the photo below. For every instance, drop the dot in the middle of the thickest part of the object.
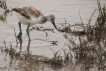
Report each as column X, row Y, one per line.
column 51, row 19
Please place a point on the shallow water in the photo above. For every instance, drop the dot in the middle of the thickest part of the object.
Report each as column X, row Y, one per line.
column 40, row 44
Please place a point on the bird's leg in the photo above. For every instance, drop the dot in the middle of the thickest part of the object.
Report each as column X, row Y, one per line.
column 20, row 33
column 27, row 30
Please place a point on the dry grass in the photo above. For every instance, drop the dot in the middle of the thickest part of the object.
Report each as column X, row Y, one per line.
column 3, row 4
column 92, row 39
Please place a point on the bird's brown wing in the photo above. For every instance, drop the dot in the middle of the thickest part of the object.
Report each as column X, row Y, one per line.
column 34, row 12
column 28, row 12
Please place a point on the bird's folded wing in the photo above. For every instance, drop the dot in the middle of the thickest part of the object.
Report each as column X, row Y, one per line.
column 28, row 12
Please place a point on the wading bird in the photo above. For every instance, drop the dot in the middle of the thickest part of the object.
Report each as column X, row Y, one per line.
column 30, row 16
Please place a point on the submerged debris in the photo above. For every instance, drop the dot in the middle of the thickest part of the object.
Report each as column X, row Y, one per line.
column 54, row 42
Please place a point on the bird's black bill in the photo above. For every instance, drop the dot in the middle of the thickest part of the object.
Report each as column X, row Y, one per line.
column 55, row 26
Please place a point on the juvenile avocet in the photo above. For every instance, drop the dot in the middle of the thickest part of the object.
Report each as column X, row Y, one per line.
column 30, row 16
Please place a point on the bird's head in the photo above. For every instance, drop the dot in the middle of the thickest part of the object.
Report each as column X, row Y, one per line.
column 51, row 18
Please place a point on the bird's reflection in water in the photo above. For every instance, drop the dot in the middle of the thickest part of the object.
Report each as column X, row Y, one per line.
column 28, row 48
column 27, row 52
column 20, row 42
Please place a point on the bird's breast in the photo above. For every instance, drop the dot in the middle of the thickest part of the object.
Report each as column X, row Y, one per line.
column 39, row 20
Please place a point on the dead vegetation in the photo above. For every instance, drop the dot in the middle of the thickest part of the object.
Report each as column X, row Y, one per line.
column 91, row 40
column 3, row 4
column 3, row 17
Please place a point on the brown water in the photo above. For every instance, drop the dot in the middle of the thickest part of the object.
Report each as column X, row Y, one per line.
column 40, row 44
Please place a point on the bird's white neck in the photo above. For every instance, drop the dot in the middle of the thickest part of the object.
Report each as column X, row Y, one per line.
column 47, row 17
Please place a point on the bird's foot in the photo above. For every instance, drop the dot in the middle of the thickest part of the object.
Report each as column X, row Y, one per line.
column 20, row 35
column 19, row 38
